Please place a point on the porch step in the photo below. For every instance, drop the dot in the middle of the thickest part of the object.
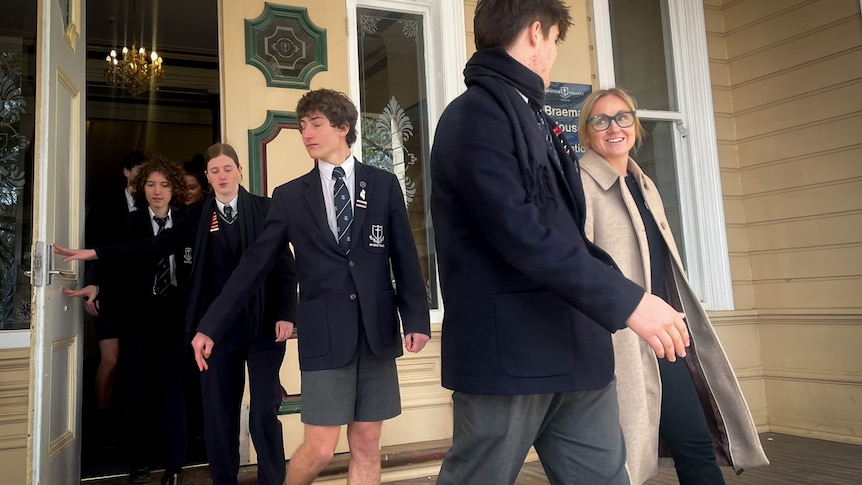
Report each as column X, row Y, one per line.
column 391, row 457
column 428, row 453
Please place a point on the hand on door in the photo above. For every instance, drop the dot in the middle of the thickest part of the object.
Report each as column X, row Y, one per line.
column 75, row 254
column 89, row 294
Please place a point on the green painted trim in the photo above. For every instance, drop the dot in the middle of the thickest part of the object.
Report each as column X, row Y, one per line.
column 258, row 138
column 300, row 14
column 290, row 405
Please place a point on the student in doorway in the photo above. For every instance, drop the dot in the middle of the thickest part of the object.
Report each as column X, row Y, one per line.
column 227, row 223
column 349, row 227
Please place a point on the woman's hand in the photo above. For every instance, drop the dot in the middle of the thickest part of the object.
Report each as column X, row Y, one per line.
column 75, row 254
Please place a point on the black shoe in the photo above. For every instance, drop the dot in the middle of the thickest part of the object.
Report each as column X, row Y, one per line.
column 140, row 475
column 172, row 478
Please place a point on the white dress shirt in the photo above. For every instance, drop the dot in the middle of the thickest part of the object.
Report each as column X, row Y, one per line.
column 327, row 182
column 232, row 204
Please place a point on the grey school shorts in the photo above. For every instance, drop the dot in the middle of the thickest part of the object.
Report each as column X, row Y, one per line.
column 366, row 389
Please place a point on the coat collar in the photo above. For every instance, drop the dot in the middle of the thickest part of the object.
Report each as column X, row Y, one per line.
column 601, row 171
column 605, row 176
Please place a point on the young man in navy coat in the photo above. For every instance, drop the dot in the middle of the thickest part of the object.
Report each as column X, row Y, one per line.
column 349, row 228
column 530, row 303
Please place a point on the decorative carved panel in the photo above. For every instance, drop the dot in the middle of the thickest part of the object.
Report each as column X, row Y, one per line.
column 258, row 138
column 286, row 46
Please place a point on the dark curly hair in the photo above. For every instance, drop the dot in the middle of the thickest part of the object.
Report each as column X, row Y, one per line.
column 336, row 106
column 171, row 171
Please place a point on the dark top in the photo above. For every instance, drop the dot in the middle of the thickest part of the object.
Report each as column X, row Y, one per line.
column 657, row 249
column 274, row 297
column 126, row 275
column 337, row 290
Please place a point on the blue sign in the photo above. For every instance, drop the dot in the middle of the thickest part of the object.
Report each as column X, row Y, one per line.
column 563, row 104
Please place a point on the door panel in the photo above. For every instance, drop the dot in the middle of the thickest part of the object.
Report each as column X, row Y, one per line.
column 56, row 336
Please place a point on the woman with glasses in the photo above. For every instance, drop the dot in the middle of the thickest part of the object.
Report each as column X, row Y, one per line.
column 691, row 410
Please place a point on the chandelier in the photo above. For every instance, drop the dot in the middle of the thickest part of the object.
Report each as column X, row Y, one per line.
column 134, row 70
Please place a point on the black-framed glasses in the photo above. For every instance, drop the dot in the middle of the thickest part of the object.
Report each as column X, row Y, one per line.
column 623, row 119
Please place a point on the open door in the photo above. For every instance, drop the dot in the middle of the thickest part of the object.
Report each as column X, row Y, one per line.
column 56, row 344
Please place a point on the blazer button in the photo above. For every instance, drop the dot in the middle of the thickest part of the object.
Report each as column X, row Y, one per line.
column 350, row 264
column 352, row 296
column 663, row 226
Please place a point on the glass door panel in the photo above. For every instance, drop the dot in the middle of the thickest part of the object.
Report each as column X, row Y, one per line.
column 17, row 125
column 394, row 116
column 643, row 60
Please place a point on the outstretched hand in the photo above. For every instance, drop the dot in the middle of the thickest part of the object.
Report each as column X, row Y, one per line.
column 662, row 327
column 75, row 254
column 89, row 294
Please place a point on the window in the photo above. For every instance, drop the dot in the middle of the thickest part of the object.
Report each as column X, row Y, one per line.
column 656, row 49
column 401, row 84
column 17, row 131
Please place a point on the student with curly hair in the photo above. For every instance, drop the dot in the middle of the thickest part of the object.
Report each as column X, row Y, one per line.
column 151, row 292
column 211, row 239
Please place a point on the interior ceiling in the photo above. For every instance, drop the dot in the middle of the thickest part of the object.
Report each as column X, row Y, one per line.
column 180, row 26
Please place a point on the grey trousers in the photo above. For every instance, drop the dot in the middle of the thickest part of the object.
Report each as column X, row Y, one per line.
column 577, row 436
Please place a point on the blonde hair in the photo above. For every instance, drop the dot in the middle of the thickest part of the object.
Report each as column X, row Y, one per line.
column 590, row 102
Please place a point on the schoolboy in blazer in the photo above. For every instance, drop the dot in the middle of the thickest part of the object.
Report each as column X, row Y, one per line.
column 347, row 316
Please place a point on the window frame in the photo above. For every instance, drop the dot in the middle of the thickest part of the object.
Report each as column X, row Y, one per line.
column 445, row 56
column 699, row 184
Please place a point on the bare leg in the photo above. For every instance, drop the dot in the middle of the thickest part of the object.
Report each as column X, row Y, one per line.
column 364, row 441
column 313, row 454
column 110, row 351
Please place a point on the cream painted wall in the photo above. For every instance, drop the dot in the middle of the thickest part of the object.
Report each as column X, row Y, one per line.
column 574, row 57
column 786, row 82
column 246, row 97
column 14, row 395
column 738, row 330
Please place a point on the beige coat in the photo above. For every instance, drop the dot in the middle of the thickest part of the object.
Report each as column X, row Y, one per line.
column 614, row 224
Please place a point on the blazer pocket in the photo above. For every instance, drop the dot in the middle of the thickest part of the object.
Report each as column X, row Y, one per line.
column 534, row 334
column 374, row 236
column 389, row 328
column 312, row 328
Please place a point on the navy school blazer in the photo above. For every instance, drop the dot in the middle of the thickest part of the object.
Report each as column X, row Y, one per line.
column 276, row 301
column 337, row 292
